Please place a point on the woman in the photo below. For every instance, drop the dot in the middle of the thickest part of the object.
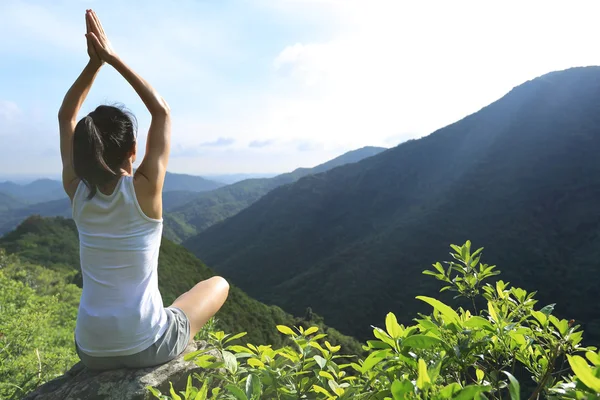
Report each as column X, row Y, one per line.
column 121, row 320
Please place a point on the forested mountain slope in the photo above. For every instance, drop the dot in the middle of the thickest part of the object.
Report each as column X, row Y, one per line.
column 9, row 202
column 212, row 207
column 34, row 192
column 520, row 176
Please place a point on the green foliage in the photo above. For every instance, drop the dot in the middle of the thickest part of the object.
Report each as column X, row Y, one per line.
column 450, row 353
column 54, row 245
column 38, row 310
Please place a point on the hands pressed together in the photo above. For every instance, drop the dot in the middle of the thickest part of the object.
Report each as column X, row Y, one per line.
column 98, row 47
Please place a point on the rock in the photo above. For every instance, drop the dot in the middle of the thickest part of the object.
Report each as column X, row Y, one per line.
column 80, row 383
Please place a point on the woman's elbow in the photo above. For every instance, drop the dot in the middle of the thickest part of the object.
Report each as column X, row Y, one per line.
column 162, row 109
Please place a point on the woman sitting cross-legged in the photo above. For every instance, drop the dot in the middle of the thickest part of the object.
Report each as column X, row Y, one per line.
column 121, row 320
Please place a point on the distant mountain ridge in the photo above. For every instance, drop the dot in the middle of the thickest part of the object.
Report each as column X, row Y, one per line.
column 37, row 191
column 190, row 183
column 9, row 202
column 519, row 177
column 178, row 193
column 46, row 197
column 209, row 208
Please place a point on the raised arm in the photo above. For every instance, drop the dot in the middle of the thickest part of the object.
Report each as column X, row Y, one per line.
column 154, row 165
column 67, row 116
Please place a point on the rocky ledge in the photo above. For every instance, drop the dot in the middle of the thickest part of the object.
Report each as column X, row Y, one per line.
column 80, row 383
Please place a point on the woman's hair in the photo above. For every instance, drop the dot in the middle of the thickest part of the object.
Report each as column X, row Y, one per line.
column 102, row 141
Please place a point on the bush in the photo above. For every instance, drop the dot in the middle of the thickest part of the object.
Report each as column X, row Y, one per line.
column 451, row 353
column 38, row 310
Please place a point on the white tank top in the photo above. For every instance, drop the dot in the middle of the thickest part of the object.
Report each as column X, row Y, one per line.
column 121, row 311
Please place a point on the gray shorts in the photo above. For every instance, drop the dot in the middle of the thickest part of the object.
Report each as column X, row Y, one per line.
column 171, row 344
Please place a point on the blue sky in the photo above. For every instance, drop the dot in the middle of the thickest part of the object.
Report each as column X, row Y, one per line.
column 268, row 86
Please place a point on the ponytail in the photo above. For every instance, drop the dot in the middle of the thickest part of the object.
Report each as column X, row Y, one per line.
column 100, row 146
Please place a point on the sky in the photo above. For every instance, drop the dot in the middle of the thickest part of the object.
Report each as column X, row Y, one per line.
column 258, row 86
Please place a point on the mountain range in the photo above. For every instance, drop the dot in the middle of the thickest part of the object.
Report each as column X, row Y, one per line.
column 46, row 197
column 520, row 177
column 191, row 203
column 211, row 207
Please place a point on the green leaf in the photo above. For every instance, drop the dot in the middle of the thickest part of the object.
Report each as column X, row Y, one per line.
column 285, row 330
column 321, row 361
column 230, row 361
column 193, row 354
column 421, row 342
column 584, row 372
column 373, row 359
column 469, row 392
column 237, row 392
column 239, row 335
column 333, row 349
column 202, row 393
column 513, row 388
column 391, row 325
column 439, row 268
column 449, row 391
column 593, row 357
column 540, row 316
column 155, row 392
column 253, row 387
column 384, row 337
column 255, row 362
column 336, row 388
column 400, row 389
column 188, row 387
column 434, row 370
column 447, row 312
column 204, row 361
column 548, row 309
column 423, row 380
column 321, row 390
column 326, row 375
column 311, row 330
column 480, row 375
column 174, row 395
column 239, row 349
column 492, row 312
column 561, row 325
column 479, row 322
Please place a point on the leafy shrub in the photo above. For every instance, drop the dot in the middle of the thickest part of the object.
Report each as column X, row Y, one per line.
column 38, row 311
column 450, row 353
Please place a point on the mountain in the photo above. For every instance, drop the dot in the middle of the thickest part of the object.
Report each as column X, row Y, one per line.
column 54, row 243
column 40, row 190
column 212, row 207
column 190, row 183
column 521, row 176
column 11, row 218
column 44, row 190
column 234, row 178
column 9, row 202
column 178, row 190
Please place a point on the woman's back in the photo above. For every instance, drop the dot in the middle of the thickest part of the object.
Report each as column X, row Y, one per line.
column 121, row 310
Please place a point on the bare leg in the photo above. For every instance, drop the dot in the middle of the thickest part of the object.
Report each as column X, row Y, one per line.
column 202, row 302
